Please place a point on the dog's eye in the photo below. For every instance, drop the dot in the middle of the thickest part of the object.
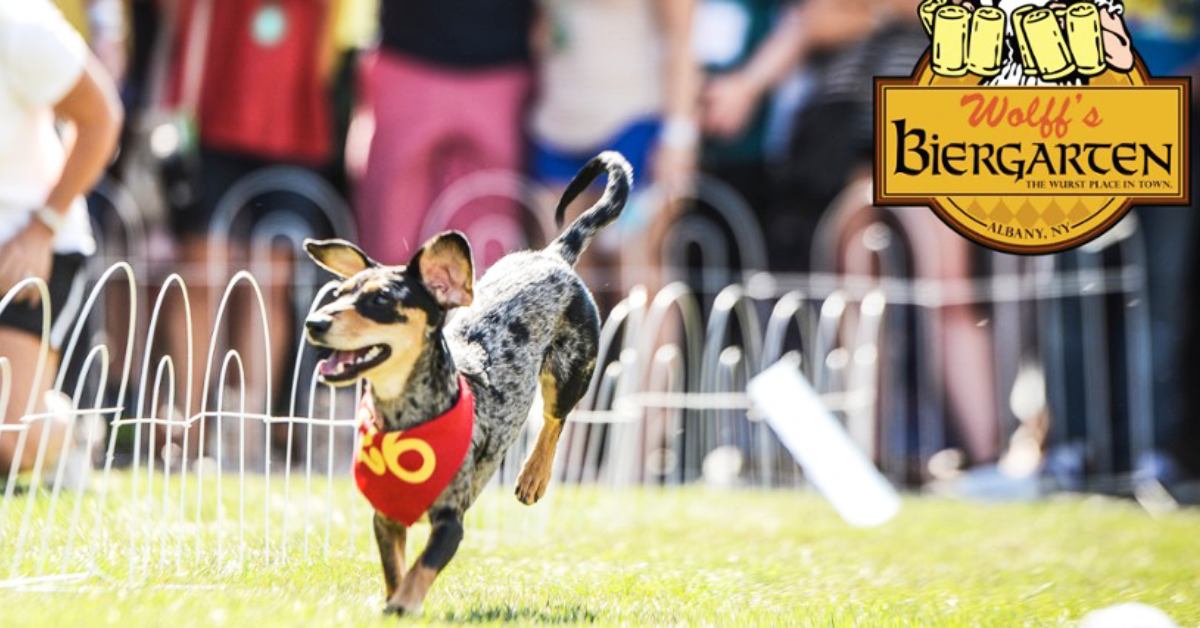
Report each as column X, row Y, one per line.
column 381, row 300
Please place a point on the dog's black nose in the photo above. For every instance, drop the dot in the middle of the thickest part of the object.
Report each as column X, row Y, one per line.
column 318, row 324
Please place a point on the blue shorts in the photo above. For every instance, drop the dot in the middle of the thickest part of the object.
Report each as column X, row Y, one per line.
column 636, row 142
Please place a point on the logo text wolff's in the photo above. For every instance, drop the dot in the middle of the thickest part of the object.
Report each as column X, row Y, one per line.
column 1030, row 131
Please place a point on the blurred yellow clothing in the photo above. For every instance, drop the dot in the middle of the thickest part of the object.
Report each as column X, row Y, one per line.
column 355, row 24
column 76, row 13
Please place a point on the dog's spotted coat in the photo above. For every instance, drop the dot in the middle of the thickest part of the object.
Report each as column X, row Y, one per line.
column 531, row 319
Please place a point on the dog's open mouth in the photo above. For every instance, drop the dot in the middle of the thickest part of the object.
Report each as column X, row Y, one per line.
column 343, row 366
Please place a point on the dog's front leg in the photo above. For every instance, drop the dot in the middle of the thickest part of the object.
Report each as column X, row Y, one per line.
column 447, row 533
column 392, row 539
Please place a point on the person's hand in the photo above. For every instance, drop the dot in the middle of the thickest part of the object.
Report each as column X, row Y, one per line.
column 28, row 254
column 674, row 170
column 728, row 103
column 1118, row 48
column 832, row 23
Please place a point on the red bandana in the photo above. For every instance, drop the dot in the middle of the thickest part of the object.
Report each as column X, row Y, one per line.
column 401, row 473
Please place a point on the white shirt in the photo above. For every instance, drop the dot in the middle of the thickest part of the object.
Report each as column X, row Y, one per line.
column 41, row 59
column 603, row 73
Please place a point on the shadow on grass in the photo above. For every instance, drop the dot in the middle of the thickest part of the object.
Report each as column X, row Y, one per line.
column 554, row 615
column 18, row 489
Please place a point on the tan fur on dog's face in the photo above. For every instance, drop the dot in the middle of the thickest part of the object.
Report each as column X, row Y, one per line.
column 382, row 318
column 358, row 319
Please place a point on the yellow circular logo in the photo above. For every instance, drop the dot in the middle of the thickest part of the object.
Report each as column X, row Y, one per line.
column 1032, row 131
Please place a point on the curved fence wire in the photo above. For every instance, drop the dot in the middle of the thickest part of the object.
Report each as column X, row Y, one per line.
column 228, row 475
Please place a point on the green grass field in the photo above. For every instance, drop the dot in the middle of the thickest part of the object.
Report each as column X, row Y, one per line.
column 688, row 555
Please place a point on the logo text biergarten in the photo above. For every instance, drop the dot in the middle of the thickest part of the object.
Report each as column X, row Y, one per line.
column 921, row 152
column 1030, row 126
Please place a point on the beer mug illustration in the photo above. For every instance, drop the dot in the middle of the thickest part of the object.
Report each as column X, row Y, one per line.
column 1048, row 45
column 1028, row 64
column 927, row 11
column 985, row 45
column 951, row 24
column 1084, row 39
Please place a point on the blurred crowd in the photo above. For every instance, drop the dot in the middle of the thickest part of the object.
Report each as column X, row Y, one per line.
column 391, row 102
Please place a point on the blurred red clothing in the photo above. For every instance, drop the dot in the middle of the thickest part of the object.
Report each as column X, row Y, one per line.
column 261, row 92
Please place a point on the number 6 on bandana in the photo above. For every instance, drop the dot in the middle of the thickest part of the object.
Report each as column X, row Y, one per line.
column 402, row 473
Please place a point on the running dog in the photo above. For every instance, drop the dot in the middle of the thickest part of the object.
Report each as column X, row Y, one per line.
column 529, row 320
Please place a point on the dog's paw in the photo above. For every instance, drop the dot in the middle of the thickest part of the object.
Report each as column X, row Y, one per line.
column 400, row 611
column 531, row 485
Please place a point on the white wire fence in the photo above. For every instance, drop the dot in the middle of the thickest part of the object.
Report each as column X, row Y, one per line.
column 249, row 467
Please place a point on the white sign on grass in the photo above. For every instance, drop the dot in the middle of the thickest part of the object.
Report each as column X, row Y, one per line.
column 831, row 461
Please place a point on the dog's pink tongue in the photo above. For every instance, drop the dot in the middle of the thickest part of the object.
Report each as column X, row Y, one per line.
column 332, row 365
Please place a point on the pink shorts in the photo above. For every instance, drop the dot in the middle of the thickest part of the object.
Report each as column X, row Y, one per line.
column 433, row 127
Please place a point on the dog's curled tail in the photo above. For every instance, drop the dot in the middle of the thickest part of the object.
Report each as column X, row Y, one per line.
column 620, row 180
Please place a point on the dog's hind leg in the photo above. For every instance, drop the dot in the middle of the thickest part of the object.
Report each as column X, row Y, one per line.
column 565, row 375
column 392, row 538
column 535, row 475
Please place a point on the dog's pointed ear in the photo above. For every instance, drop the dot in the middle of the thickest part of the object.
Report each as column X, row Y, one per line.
column 444, row 266
column 338, row 257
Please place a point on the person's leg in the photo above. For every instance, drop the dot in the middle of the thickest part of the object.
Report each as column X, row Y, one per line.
column 271, row 264
column 205, row 265
column 746, row 185
column 258, row 345
column 21, row 349
column 1170, row 236
column 968, row 360
column 489, row 127
column 115, row 305
column 199, row 255
column 194, row 254
column 21, row 327
column 1185, row 443
column 632, row 249
column 262, row 345
column 409, row 109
